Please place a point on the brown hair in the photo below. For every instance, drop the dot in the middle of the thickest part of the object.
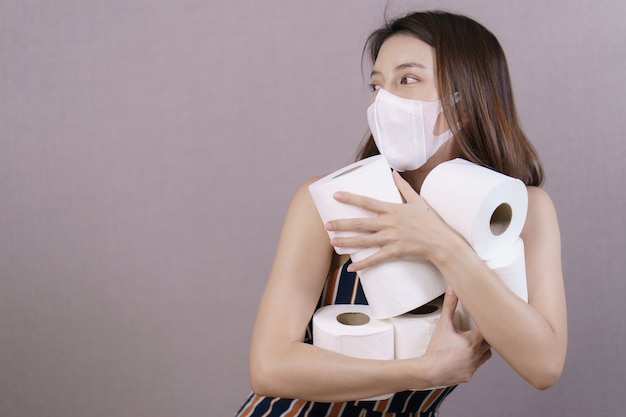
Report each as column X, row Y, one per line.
column 470, row 64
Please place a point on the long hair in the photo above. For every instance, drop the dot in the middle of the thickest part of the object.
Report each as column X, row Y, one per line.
column 475, row 90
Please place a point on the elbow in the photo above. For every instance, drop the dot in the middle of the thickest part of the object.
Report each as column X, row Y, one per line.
column 543, row 383
column 547, row 376
column 258, row 375
column 262, row 374
column 548, row 368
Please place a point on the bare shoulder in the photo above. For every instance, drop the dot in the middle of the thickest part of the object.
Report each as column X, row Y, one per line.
column 538, row 198
column 303, row 222
column 302, row 197
column 542, row 217
column 540, row 204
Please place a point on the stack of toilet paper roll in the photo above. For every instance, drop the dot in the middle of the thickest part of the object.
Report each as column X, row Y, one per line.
column 352, row 329
column 487, row 208
column 391, row 288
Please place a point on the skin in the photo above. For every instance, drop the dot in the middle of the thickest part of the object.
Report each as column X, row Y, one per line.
column 531, row 337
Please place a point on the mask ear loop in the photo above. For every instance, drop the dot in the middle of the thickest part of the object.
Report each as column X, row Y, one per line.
column 456, row 98
column 441, row 125
column 435, row 122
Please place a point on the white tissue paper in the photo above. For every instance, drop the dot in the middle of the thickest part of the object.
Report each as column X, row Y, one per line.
column 510, row 267
column 370, row 177
column 352, row 330
column 486, row 207
column 391, row 288
column 394, row 288
column 413, row 330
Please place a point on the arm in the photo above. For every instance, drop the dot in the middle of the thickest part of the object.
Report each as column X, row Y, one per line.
column 281, row 364
column 531, row 337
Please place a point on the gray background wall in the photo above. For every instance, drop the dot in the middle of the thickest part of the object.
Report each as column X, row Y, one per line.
column 148, row 151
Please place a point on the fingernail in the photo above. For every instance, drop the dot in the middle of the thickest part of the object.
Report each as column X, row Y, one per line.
column 338, row 194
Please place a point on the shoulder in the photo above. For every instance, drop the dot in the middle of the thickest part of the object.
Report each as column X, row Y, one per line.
column 308, row 182
column 302, row 212
column 539, row 202
column 541, row 217
column 304, row 239
column 302, row 194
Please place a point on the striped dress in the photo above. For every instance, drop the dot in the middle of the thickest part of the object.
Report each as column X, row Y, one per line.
column 343, row 287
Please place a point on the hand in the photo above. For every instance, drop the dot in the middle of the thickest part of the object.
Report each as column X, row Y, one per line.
column 455, row 354
column 401, row 231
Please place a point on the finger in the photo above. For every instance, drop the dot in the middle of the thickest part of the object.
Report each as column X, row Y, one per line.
column 361, row 241
column 375, row 259
column 361, row 224
column 407, row 192
column 364, row 202
column 476, row 335
column 450, row 302
column 447, row 310
column 484, row 357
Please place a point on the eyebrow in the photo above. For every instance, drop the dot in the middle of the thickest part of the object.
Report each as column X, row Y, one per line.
column 401, row 67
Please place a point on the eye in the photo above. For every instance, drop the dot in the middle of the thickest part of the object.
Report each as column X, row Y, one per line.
column 409, row 80
column 374, row 87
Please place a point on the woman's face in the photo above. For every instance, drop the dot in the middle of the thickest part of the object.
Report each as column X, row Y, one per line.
column 405, row 66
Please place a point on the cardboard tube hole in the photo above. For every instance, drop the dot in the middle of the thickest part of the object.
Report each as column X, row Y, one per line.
column 500, row 219
column 353, row 319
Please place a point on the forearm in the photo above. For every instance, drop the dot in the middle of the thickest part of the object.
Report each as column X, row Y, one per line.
column 517, row 330
column 281, row 364
column 308, row 372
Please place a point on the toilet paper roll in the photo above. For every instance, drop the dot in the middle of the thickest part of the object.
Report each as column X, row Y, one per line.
column 486, row 207
column 413, row 330
column 370, row 177
column 394, row 288
column 352, row 330
column 510, row 267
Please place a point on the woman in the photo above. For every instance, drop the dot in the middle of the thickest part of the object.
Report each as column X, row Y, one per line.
column 423, row 57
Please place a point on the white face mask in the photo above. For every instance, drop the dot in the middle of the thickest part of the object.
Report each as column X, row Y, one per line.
column 403, row 129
